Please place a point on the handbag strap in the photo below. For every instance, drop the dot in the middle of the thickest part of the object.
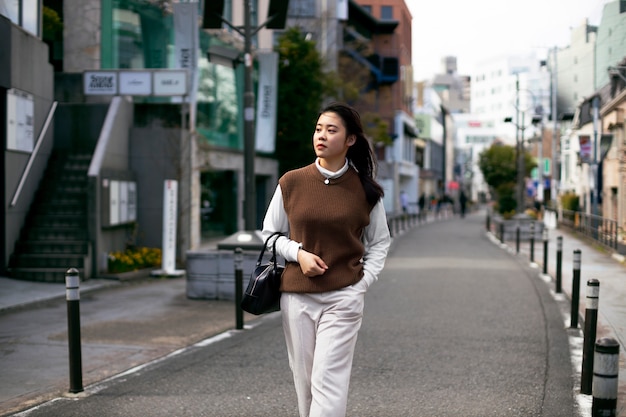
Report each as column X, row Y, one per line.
column 273, row 258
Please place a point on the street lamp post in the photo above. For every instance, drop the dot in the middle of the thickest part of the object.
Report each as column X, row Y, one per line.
column 520, row 149
column 213, row 19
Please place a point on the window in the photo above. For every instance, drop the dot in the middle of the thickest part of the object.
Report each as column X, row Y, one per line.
column 302, row 8
column 25, row 13
column 367, row 8
column 386, row 12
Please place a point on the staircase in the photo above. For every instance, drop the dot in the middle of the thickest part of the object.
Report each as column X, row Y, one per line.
column 54, row 237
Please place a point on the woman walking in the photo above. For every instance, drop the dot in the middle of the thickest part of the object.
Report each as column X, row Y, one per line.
column 335, row 244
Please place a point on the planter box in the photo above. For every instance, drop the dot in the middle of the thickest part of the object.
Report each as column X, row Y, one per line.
column 130, row 275
column 211, row 273
column 524, row 224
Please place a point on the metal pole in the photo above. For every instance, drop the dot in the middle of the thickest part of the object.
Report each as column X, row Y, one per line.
column 591, row 321
column 594, row 166
column 605, row 378
column 559, row 263
column 555, row 134
column 520, row 175
column 532, row 241
column 540, row 165
column 575, row 290
column 545, row 249
column 522, row 166
column 238, row 287
column 249, row 116
column 72, row 295
column 517, row 239
column 502, row 232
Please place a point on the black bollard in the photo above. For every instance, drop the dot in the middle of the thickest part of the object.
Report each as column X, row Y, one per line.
column 72, row 295
column 559, row 263
column 532, row 241
column 575, row 290
column 517, row 239
column 545, row 250
column 238, row 287
column 605, row 378
column 502, row 232
column 591, row 325
column 488, row 223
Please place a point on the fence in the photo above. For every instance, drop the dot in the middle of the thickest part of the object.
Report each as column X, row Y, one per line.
column 599, row 229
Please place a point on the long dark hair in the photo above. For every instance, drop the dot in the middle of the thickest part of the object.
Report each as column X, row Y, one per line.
column 360, row 154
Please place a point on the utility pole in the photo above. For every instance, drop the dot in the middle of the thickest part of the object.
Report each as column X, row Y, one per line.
column 555, row 134
column 213, row 19
column 594, row 166
column 249, row 201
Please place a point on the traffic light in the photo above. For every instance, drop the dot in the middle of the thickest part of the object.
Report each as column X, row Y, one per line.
column 277, row 14
column 212, row 16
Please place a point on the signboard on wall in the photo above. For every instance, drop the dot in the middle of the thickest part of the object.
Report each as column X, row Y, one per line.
column 119, row 202
column 149, row 82
column 20, row 120
column 100, row 83
column 135, row 83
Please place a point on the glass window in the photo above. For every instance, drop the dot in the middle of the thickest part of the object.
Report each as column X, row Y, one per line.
column 386, row 12
column 302, row 8
column 24, row 13
column 142, row 36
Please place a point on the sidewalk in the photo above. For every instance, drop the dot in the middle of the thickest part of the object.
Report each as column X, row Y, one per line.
column 596, row 263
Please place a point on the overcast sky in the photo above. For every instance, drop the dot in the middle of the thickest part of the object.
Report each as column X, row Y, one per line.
column 479, row 29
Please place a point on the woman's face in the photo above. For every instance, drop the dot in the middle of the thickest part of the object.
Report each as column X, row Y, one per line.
column 331, row 140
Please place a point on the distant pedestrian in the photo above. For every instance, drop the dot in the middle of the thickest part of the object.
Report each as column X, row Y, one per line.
column 337, row 239
column 421, row 203
column 404, row 201
column 462, row 202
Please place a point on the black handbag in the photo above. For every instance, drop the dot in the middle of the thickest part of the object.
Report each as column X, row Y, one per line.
column 263, row 292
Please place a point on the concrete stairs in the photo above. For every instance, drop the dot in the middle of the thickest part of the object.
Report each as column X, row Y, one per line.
column 54, row 237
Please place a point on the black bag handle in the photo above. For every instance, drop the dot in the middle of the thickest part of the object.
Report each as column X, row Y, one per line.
column 273, row 258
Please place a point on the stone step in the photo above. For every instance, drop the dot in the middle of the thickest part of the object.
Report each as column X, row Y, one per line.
column 48, row 261
column 41, row 247
column 41, row 274
column 56, row 233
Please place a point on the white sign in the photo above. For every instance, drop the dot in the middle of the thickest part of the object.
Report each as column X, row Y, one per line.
column 135, row 83
column 100, row 82
column 20, row 120
column 114, row 203
column 266, row 102
column 170, row 198
column 159, row 82
column 170, row 83
column 185, row 34
column 122, row 201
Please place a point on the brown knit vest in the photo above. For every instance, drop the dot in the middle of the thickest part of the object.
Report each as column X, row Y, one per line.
column 329, row 221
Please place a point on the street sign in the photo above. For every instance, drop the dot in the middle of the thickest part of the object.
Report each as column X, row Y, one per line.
column 145, row 82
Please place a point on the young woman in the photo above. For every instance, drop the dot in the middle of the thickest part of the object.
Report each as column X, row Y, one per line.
column 335, row 245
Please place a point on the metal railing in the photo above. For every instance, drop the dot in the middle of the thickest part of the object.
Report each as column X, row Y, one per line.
column 33, row 155
column 600, row 229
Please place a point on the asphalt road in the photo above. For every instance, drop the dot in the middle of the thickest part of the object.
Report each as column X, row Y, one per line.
column 455, row 327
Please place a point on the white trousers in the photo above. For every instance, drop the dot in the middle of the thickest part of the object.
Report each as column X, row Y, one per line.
column 321, row 332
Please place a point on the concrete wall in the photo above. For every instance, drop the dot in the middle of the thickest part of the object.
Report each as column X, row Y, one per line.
column 110, row 161
column 24, row 66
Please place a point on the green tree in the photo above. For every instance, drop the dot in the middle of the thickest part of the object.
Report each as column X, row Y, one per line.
column 302, row 88
column 498, row 166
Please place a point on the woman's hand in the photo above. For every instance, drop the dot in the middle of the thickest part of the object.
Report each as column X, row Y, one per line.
column 311, row 264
